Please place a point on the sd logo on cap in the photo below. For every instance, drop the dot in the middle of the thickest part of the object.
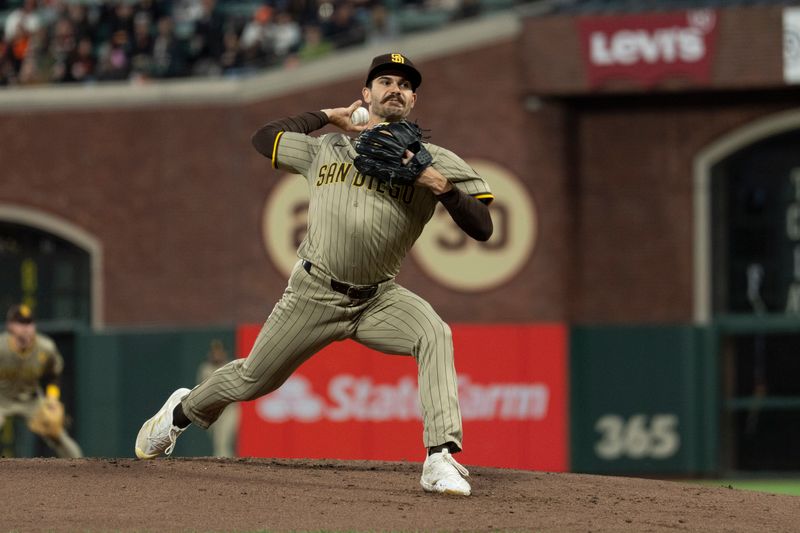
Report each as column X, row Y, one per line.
column 20, row 313
column 394, row 63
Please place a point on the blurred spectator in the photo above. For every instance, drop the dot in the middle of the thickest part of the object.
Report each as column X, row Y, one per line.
column 62, row 47
column 187, row 10
column 22, row 21
column 31, row 71
column 304, row 12
column 142, row 46
column 381, row 25
column 207, row 40
column 21, row 24
column 258, row 39
column 35, row 66
column 82, row 63
column 314, row 44
column 287, row 35
column 231, row 60
column 169, row 53
column 343, row 28
column 8, row 74
column 78, row 14
column 114, row 62
column 118, row 18
column 55, row 41
column 155, row 9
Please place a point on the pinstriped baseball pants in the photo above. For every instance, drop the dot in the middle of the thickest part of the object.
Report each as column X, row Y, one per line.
column 308, row 317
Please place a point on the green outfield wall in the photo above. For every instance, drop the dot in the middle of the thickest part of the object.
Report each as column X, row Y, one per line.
column 123, row 377
column 643, row 400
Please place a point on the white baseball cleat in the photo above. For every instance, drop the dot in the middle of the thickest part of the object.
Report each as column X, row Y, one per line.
column 442, row 473
column 158, row 434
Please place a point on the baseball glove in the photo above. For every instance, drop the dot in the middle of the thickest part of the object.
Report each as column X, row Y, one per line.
column 48, row 419
column 381, row 151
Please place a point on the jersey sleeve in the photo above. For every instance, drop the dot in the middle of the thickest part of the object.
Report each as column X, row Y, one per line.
column 294, row 151
column 54, row 365
column 460, row 174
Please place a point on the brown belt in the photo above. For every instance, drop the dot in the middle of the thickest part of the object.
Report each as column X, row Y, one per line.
column 356, row 292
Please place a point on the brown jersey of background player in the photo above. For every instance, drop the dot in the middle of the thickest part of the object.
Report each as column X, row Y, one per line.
column 344, row 284
column 30, row 368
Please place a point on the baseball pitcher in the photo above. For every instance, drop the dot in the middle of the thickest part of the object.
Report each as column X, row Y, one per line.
column 30, row 367
column 369, row 199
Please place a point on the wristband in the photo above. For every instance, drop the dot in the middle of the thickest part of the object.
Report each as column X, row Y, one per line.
column 53, row 392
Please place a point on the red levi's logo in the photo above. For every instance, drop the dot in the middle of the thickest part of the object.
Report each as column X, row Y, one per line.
column 349, row 402
column 649, row 49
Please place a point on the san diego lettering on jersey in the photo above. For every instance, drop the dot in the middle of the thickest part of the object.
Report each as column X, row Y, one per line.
column 336, row 172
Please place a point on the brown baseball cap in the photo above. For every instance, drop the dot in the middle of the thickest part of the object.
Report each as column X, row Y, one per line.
column 394, row 62
column 20, row 313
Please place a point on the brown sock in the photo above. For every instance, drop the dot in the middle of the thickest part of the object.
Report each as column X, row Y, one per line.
column 179, row 418
column 450, row 446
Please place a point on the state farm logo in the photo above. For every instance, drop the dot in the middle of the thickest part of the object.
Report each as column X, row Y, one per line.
column 359, row 398
column 649, row 48
column 294, row 400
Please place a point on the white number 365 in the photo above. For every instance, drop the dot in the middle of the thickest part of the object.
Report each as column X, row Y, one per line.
column 636, row 439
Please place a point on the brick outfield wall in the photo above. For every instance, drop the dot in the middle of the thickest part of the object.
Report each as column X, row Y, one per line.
column 176, row 194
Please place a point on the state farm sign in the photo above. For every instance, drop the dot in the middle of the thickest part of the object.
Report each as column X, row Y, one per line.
column 349, row 402
column 349, row 397
column 649, row 49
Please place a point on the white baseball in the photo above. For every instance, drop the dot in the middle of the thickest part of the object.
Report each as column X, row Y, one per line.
column 360, row 116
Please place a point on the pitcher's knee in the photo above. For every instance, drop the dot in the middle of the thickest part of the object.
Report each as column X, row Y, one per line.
column 251, row 385
column 438, row 340
column 447, row 334
column 254, row 387
column 252, row 390
column 443, row 335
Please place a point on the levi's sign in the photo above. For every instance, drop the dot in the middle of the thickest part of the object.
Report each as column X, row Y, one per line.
column 649, row 49
column 349, row 402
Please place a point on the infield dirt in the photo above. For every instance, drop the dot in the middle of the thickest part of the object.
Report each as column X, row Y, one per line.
column 249, row 495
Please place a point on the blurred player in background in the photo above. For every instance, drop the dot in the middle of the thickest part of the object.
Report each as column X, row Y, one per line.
column 30, row 369
column 223, row 431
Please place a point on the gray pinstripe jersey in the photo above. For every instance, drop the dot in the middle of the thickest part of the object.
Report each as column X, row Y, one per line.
column 360, row 229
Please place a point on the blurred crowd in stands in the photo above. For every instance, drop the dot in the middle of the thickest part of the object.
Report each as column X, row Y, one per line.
column 84, row 41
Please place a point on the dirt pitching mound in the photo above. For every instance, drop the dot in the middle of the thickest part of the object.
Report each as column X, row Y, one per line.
column 249, row 495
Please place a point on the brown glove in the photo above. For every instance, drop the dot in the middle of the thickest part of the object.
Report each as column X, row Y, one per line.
column 48, row 420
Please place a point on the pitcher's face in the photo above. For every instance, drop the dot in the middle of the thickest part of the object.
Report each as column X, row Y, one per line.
column 390, row 97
